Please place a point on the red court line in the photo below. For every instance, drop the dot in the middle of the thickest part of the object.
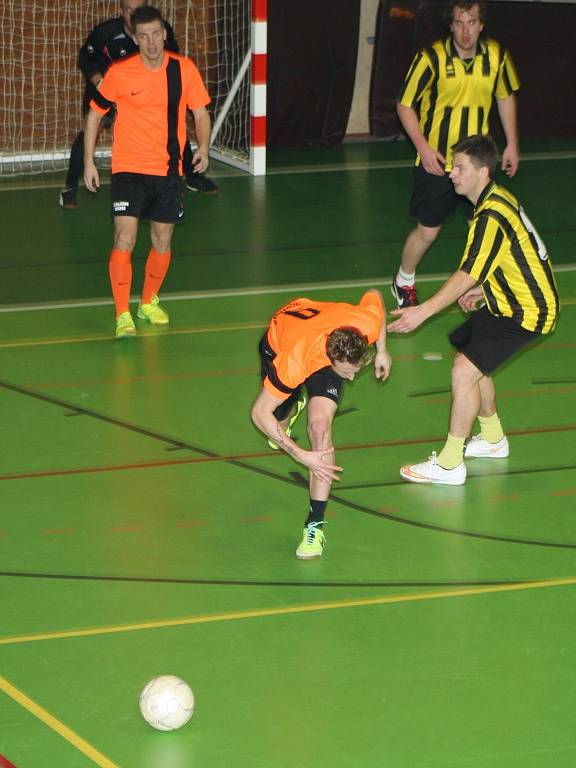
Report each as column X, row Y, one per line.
column 260, row 455
column 5, row 763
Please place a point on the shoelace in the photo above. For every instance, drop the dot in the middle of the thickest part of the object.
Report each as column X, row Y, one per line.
column 311, row 529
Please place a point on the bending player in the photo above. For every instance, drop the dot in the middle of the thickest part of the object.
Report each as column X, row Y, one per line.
column 505, row 266
column 108, row 42
column 318, row 345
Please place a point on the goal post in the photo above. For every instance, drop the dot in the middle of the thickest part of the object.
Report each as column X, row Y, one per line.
column 40, row 105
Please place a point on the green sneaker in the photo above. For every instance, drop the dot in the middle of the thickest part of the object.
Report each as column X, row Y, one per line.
column 153, row 312
column 125, row 326
column 312, row 544
column 300, row 405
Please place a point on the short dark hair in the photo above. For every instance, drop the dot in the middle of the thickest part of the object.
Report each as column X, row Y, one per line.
column 347, row 345
column 465, row 5
column 481, row 150
column 144, row 15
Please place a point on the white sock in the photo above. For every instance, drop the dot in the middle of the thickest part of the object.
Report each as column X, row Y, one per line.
column 403, row 278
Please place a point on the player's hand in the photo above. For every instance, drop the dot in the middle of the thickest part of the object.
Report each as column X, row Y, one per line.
column 409, row 319
column 470, row 299
column 200, row 161
column 317, row 463
column 91, row 178
column 433, row 161
column 510, row 161
column 382, row 365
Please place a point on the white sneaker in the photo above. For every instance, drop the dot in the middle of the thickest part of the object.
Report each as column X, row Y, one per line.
column 431, row 472
column 478, row 448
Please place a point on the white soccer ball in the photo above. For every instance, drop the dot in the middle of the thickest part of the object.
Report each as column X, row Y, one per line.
column 167, row 703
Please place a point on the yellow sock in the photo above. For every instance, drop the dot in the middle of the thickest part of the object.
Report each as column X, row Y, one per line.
column 453, row 452
column 490, row 428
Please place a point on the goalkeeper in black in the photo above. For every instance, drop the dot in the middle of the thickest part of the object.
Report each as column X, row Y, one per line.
column 111, row 41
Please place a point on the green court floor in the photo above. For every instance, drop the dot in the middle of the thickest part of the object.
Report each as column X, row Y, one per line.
column 146, row 528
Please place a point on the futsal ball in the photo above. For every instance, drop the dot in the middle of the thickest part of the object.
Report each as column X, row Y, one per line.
column 167, row 703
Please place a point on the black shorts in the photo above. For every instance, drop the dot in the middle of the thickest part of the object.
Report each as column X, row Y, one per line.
column 156, row 198
column 434, row 199
column 488, row 341
column 323, row 383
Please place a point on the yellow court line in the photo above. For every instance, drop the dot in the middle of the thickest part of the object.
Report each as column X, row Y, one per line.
column 109, row 337
column 294, row 609
column 56, row 725
column 172, row 332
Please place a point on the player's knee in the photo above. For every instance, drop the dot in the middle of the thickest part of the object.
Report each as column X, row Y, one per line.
column 427, row 235
column 320, row 433
column 161, row 241
column 123, row 242
column 464, row 373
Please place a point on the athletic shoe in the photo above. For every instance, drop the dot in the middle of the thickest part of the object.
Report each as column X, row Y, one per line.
column 125, row 326
column 197, row 182
column 478, row 448
column 405, row 295
column 153, row 312
column 431, row 472
column 301, row 404
column 67, row 199
column 312, row 544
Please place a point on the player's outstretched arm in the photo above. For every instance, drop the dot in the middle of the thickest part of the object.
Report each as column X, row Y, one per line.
column 410, row 318
column 91, row 177
column 316, row 461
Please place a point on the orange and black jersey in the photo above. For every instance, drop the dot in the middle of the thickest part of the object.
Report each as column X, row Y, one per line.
column 453, row 96
column 505, row 254
column 298, row 334
column 109, row 42
column 150, row 129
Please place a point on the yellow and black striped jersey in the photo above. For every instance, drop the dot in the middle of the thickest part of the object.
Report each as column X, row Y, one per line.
column 506, row 255
column 453, row 96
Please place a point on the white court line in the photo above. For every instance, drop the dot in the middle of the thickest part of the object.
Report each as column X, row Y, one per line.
column 343, row 166
column 294, row 288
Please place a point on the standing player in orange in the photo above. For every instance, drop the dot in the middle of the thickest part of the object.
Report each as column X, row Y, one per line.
column 319, row 345
column 151, row 93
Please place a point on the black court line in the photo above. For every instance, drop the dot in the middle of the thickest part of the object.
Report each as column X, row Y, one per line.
column 266, row 582
column 286, row 479
column 426, row 392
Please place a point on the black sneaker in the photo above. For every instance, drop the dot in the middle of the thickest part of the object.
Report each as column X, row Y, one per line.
column 200, row 183
column 67, row 199
column 405, row 295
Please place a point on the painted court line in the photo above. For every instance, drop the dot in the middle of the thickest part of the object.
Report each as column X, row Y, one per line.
column 62, row 730
column 265, row 290
column 286, row 611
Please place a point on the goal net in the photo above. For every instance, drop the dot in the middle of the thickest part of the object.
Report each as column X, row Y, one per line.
column 41, row 97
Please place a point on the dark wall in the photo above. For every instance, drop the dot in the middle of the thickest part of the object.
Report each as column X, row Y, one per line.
column 541, row 38
column 312, row 50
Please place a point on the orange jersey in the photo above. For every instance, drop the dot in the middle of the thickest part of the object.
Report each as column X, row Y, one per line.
column 298, row 334
column 150, row 128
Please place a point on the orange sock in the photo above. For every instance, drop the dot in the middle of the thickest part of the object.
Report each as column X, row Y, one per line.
column 156, row 267
column 120, row 269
